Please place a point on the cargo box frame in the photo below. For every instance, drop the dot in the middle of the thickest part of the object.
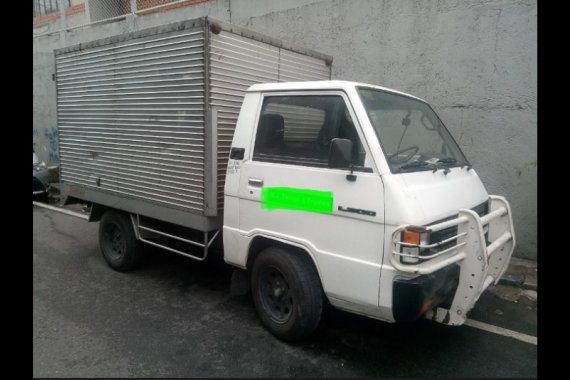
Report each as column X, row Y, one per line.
column 107, row 160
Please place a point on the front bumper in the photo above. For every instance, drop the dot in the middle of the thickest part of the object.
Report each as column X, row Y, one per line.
column 482, row 256
column 410, row 297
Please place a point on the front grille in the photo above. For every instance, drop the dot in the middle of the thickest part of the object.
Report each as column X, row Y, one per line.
column 482, row 209
column 437, row 236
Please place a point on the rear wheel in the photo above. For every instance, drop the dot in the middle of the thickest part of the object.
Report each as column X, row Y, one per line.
column 287, row 293
column 118, row 242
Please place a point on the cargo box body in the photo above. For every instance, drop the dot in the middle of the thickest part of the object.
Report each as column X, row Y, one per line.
column 146, row 119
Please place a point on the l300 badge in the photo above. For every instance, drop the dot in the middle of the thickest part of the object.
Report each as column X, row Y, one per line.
column 357, row 211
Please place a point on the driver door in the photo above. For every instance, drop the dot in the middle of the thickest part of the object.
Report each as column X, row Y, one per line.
column 290, row 156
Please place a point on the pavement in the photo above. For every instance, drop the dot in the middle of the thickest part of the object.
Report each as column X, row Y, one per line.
column 519, row 281
column 521, row 273
column 174, row 317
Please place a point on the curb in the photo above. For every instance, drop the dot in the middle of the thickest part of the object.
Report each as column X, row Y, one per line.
column 521, row 273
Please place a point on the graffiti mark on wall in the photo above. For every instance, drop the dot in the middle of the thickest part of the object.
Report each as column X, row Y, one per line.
column 51, row 137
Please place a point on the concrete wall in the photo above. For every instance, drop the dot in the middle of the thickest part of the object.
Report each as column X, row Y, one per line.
column 474, row 61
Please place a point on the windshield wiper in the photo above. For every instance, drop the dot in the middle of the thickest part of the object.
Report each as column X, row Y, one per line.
column 446, row 160
column 452, row 161
column 416, row 164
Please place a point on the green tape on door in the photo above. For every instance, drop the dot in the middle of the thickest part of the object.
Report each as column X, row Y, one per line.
column 290, row 198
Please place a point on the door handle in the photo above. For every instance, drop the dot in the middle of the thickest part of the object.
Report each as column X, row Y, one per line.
column 255, row 182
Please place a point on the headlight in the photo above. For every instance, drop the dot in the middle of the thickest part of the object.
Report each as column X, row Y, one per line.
column 413, row 237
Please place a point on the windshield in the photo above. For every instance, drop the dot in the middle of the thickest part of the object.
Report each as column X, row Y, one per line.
column 411, row 134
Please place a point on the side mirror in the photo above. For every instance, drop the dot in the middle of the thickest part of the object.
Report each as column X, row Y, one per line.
column 340, row 154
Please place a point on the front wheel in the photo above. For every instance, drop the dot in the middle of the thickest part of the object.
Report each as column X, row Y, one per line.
column 287, row 293
column 118, row 242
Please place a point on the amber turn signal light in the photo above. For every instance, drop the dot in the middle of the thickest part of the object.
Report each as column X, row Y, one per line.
column 411, row 237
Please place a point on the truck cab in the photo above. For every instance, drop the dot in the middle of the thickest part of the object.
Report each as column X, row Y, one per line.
column 358, row 193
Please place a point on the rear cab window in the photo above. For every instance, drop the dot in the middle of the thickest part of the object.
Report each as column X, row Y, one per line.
column 298, row 130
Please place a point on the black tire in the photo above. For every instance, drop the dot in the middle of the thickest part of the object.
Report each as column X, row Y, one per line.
column 287, row 293
column 118, row 242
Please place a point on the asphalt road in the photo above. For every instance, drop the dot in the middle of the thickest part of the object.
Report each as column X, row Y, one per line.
column 174, row 317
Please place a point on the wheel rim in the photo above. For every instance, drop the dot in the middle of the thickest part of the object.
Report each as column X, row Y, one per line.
column 276, row 295
column 116, row 245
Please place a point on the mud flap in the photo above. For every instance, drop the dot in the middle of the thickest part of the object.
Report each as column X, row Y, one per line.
column 239, row 285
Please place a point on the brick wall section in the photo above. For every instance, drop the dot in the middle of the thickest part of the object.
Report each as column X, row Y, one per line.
column 142, row 4
column 46, row 19
column 51, row 17
column 79, row 8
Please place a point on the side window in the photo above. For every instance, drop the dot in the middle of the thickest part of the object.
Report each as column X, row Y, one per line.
column 298, row 130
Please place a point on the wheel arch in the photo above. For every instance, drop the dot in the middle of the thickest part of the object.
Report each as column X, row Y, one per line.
column 261, row 242
column 97, row 212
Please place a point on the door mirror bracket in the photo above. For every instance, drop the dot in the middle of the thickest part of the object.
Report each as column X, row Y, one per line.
column 340, row 156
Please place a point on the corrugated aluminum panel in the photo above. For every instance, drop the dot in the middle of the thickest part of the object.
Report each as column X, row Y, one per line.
column 302, row 124
column 294, row 67
column 131, row 118
column 237, row 62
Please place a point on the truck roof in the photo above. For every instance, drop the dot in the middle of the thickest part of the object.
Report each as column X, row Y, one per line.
column 321, row 85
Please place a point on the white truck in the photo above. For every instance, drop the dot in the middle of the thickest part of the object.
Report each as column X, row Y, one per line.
column 200, row 134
